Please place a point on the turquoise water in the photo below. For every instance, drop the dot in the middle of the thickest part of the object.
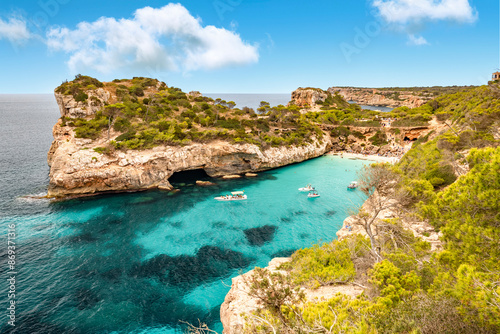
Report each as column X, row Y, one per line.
column 139, row 263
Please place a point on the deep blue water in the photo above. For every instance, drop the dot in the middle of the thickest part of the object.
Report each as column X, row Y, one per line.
column 139, row 263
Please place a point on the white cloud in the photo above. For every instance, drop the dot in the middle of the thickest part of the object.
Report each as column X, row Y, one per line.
column 415, row 11
column 14, row 30
column 167, row 38
column 416, row 40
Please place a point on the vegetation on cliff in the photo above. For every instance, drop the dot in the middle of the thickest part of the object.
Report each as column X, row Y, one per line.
column 144, row 113
column 451, row 182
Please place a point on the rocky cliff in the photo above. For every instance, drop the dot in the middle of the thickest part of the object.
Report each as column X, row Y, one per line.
column 77, row 169
column 310, row 97
column 69, row 107
column 383, row 98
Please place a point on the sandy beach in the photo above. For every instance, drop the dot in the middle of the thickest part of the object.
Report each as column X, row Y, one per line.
column 360, row 156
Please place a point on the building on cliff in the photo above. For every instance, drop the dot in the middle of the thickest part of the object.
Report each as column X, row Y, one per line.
column 495, row 76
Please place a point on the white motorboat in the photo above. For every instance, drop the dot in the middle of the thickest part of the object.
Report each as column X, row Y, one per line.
column 353, row 185
column 307, row 188
column 313, row 194
column 235, row 196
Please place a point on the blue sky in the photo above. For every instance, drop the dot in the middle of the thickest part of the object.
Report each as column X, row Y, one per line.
column 249, row 46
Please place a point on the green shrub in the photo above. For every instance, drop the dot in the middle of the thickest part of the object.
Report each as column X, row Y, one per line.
column 137, row 90
column 340, row 131
column 81, row 97
column 378, row 139
column 327, row 264
column 126, row 136
column 100, row 150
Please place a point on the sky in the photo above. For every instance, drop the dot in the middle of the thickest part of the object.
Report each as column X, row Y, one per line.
column 249, row 46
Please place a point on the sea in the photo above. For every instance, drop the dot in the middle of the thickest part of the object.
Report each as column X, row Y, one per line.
column 252, row 100
column 145, row 262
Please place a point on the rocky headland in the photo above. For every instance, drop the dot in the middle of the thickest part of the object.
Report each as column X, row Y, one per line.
column 77, row 169
column 85, row 165
column 91, row 154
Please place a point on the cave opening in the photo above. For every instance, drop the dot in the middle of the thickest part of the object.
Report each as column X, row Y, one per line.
column 189, row 176
column 408, row 139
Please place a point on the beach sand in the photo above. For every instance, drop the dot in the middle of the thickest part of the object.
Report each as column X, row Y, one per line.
column 359, row 156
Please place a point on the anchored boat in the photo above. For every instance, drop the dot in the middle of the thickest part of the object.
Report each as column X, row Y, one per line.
column 352, row 185
column 235, row 196
column 313, row 194
column 309, row 187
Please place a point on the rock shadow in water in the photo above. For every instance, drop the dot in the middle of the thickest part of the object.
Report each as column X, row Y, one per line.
column 86, row 237
column 299, row 213
column 285, row 220
column 330, row 213
column 85, row 298
column 177, row 224
column 219, row 224
column 260, row 235
column 113, row 275
column 209, row 263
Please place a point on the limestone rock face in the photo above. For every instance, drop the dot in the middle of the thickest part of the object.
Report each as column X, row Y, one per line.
column 239, row 302
column 385, row 98
column 69, row 107
column 308, row 96
column 76, row 169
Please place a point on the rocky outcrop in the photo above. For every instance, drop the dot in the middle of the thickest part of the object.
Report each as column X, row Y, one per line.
column 77, row 169
column 303, row 97
column 383, row 98
column 77, row 166
column 239, row 304
column 69, row 107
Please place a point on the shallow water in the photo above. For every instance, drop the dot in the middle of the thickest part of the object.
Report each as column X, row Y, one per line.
column 139, row 263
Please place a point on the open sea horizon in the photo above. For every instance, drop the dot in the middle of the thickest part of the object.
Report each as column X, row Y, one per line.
column 142, row 262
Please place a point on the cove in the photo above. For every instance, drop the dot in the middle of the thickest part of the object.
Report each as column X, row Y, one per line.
column 139, row 263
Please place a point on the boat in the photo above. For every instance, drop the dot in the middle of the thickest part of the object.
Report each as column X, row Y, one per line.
column 235, row 196
column 352, row 185
column 307, row 188
column 313, row 194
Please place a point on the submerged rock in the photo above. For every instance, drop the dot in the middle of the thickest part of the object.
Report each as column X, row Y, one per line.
column 208, row 263
column 260, row 235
